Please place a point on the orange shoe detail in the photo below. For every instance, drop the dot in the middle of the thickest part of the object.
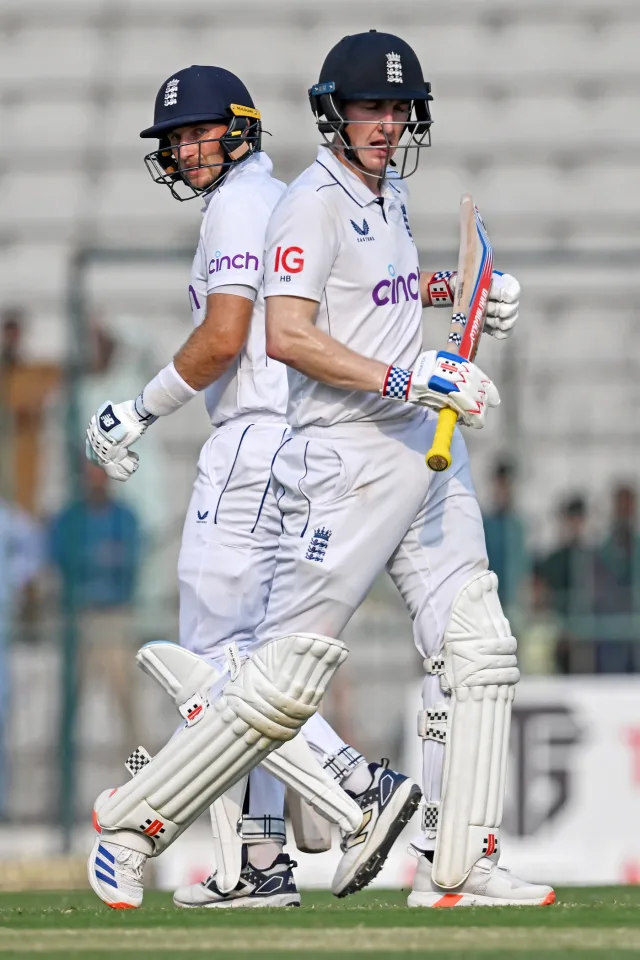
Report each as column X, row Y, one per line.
column 449, row 900
column 549, row 899
column 94, row 820
column 122, row 906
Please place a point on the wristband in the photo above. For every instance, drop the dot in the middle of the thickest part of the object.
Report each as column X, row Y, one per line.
column 167, row 392
column 397, row 383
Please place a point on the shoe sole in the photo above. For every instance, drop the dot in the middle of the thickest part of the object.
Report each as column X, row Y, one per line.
column 370, row 870
column 282, row 900
column 473, row 900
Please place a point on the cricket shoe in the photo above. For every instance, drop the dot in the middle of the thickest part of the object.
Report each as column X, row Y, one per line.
column 488, row 885
column 272, row 887
column 387, row 805
column 116, row 874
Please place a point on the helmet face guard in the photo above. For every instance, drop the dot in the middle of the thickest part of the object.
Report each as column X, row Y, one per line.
column 328, row 110
column 241, row 139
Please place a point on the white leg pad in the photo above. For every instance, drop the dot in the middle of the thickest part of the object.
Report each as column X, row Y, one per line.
column 295, row 764
column 480, row 673
column 277, row 689
column 226, row 818
column 312, row 832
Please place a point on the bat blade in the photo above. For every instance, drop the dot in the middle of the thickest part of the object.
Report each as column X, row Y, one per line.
column 473, row 282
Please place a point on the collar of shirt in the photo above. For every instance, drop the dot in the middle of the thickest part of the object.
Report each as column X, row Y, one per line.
column 257, row 163
column 349, row 180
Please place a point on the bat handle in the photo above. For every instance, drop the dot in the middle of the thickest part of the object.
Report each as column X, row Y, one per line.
column 439, row 457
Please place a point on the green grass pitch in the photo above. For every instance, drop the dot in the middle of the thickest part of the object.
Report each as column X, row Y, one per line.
column 593, row 923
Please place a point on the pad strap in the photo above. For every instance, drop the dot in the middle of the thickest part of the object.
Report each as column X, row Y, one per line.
column 430, row 814
column 432, row 723
column 137, row 760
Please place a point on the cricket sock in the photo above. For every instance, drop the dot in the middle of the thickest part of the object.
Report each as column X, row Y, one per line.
column 262, row 855
column 358, row 780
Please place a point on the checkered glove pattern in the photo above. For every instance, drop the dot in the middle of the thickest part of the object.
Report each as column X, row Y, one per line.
column 397, row 384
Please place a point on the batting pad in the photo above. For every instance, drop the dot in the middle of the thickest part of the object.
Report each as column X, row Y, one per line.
column 295, row 764
column 480, row 670
column 277, row 689
column 226, row 816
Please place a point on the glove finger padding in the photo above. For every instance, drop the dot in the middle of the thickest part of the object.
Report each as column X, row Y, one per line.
column 122, row 469
column 504, row 288
column 502, row 311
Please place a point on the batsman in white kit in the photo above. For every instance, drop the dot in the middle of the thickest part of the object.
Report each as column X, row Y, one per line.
column 344, row 297
column 209, row 132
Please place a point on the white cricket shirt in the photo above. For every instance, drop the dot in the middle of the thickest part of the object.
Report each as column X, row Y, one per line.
column 230, row 252
column 330, row 239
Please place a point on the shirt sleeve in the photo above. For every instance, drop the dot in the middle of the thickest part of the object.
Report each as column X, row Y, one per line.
column 233, row 234
column 302, row 244
column 238, row 290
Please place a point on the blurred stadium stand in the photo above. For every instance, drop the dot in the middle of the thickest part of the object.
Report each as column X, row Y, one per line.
column 534, row 106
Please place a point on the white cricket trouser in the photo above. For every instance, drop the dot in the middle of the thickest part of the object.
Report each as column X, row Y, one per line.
column 359, row 497
column 227, row 562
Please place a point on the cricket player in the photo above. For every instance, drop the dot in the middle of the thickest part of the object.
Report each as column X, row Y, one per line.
column 344, row 299
column 209, row 147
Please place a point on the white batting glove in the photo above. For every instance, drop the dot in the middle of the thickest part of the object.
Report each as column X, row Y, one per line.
column 112, row 431
column 502, row 307
column 444, row 380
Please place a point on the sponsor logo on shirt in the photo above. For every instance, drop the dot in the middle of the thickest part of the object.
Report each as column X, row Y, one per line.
column 289, row 260
column 362, row 231
column 397, row 288
column 239, row 261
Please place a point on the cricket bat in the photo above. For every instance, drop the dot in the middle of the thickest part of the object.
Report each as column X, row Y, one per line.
column 475, row 267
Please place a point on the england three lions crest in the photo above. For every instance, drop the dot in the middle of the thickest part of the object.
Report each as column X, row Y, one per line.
column 318, row 545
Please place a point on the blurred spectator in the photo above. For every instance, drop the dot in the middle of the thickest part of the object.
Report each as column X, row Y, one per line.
column 505, row 537
column 619, row 585
column 569, row 572
column 620, row 551
column 95, row 544
column 21, row 558
column 538, row 629
column 24, row 389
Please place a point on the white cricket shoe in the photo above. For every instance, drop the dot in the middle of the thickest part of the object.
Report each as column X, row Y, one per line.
column 115, row 874
column 271, row 887
column 387, row 804
column 488, row 885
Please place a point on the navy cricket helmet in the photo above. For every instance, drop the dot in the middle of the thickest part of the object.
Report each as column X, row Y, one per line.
column 373, row 66
column 202, row 94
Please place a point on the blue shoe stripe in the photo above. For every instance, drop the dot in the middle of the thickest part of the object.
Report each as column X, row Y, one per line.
column 102, row 850
column 105, row 866
column 106, row 879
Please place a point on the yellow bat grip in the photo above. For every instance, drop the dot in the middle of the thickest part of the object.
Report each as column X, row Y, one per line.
column 439, row 457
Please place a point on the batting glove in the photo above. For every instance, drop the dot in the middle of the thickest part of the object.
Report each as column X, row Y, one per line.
column 502, row 307
column 112, row 431
column 444, row 380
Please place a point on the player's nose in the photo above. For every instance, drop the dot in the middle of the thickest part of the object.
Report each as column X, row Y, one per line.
column 386, row 123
